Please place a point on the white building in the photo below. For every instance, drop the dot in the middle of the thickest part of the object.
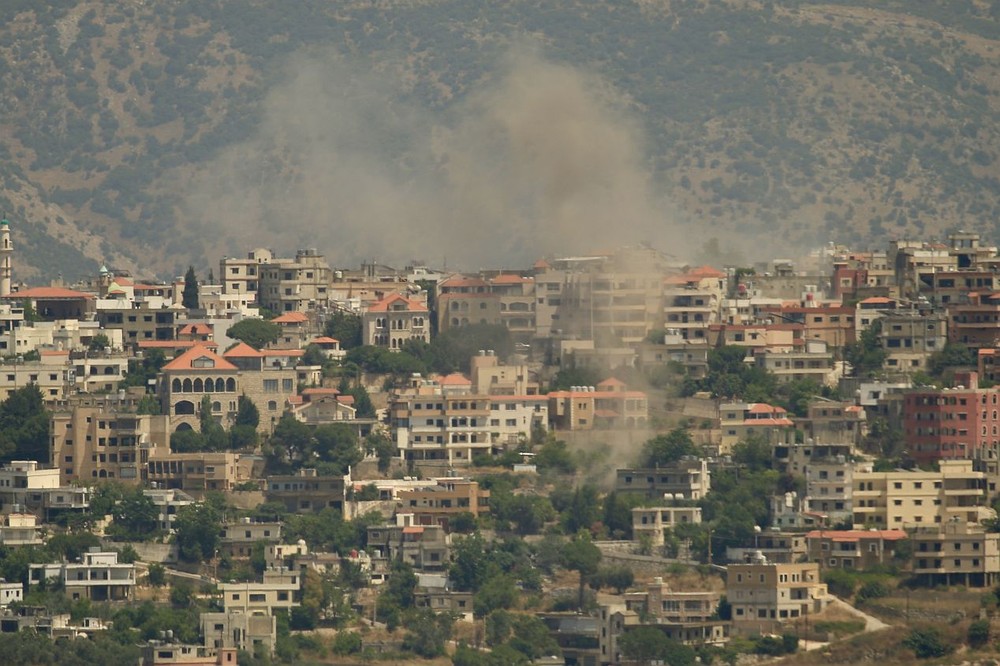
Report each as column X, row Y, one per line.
column 100, row 577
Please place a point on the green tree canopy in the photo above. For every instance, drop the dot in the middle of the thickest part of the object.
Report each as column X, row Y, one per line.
column 189, row 297
column 344, row 327
column 197, row 531
column 258, row 333
column 24, row 426
column 668, row 448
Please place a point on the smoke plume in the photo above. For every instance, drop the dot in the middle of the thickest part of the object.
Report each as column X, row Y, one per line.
column 538, row 158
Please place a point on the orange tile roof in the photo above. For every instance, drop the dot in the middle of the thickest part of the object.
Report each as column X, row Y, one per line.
column 49, row 293
column 511, row 278
column 612, row 381
column 282, row 352
column 395, row 297
column 878, row 299
column 854, row 535
column 317, row 390
column 462, row 281
column 325, row 340
column 764, row 408
column 242, row 350
column 541, row 264
column 185, row 361
column 455, row 379
column 196, row 329
column 291, row 318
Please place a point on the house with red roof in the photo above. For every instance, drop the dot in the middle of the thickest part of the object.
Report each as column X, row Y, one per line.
column 55, row 302
column 739, row 421
column 853, row 550
column 395, row 320
column 610, row 405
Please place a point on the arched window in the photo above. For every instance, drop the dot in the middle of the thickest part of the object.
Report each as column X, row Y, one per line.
column 220, row 385
column 231, row 385
column 109, row 370
column 183, row 426
column 184, row 407
column 216, row 406
column 199, row 386
column 272, row 405
column 209, row 385
column 175, row 385
column 187, row 386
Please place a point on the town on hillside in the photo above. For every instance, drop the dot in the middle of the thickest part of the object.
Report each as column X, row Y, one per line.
column 604, row 459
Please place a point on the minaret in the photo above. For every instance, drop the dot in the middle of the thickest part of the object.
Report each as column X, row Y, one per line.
column 6, row 257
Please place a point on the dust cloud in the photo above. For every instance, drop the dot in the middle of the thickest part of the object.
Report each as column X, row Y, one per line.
column 538, row 158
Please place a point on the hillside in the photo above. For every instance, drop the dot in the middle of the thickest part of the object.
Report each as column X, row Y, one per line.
column 154, row 135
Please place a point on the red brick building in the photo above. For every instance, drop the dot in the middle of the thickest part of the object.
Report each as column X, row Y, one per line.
column 951, row 423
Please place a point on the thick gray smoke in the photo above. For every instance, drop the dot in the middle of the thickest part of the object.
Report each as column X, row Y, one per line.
column 540, row 158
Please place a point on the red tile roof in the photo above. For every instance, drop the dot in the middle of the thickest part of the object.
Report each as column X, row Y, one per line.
column 462, row 281
column 291, row 318
column 242, row 350
column 326, row 340
column 173, row 344
column 511, row 278
column 186, row 360
column 855, row 535
column 196, row 329
column 393, row 298
column 455, row 379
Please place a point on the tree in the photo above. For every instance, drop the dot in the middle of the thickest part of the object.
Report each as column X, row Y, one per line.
column 927, row 643
column 380, row 445
column 665, row 449
column 313, row 355
column 362, row 401
column 141, row 371
column 554, row 455
column 24, row 426
column 754, row 452
column 866, row 356
column 581, row 555
column 337, row 444
column 289, row 443
column 345, row 328
column 427, row 632
column 979, row 634
column 646, row 643
column 247, row 413
column 189, row 297
column 954, row 355
column 157, row 574
column 136, row 517
column 98, row 343
column 258, row 333
column 197, row 531
column 569, row 377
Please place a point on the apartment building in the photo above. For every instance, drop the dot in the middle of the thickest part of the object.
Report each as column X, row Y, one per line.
column 394, row 321
column 435, row 505
column 829, row 488
column 159, row 653
column 683, row 479
column 140, row 321
column 740, row 421
column 608, row 405
column 765, row 596
column 811, row 363
column 853, row 549
column 465, row 300
column 652, row 521
column 102, row 437
column 833, row 422
column 278, row 590
column 239, row 539
column 517, row 305
column 242, row 276
column 833, row 324
column 19, row 529
column 976, row 322
column 513, row 418
column 255, row 633
column 167, row 502
column 423, row 547
column 691, row 301
column 490, row 377
column 685, row 617
column 951, row 423
column 22, row 483
column 307, row 491
column 435, row 422
column 918, row 498
column 99, row 577
column 294, row 285
column 909, row 337
column 196, row 472
column 956, row 553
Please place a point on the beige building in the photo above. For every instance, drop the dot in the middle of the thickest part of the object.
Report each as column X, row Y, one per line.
column 765, row 596
column 462, row 301
column 239, row 539
column 853, row 549
column 956, row 553
column 242, row 276
column 394, row 321
column 255, row 633
column 294, row 285
column 197, row 472
column 684, row 479
column 435, row 505
column 652, row 521
column 740, row 421
column 813, row 362
column 102, row 437
column 918, row 498
column 517, row 305
column 278, row 590
column 691, row 301
column 686, row 617
column 99, row 577
column 307, row 491
column 609, row 405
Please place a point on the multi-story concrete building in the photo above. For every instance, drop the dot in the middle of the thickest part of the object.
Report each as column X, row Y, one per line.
column 608, row 405
column 465, row 300
column 685, row 479
column 812, row 362
column 909, row 337
column 437, row 504
column 294, row 285
column 99, row 577
column 686, row 617
column 652, row 521
column 255, row 633
column 19, row 529
column 140, row 321
column 196, row 472
column 239, row 539
column 517, row 305
column 242, row 276
column 740, row 421
column 833, row 422
column 102, row 437
column 949, row 424
column 691, row 301
column 22, row 480
column 423, row 547
column 433, row 422
column 307, row 491
column 394, row 321
column 853, row 549
column 168, row 502
column 829, row 488
column 279, row 590
column 976, row 323
column 918, row 498
column 956, row 553
column 764, row 596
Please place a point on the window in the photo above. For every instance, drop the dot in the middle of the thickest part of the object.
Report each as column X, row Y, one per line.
column 270, row 385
